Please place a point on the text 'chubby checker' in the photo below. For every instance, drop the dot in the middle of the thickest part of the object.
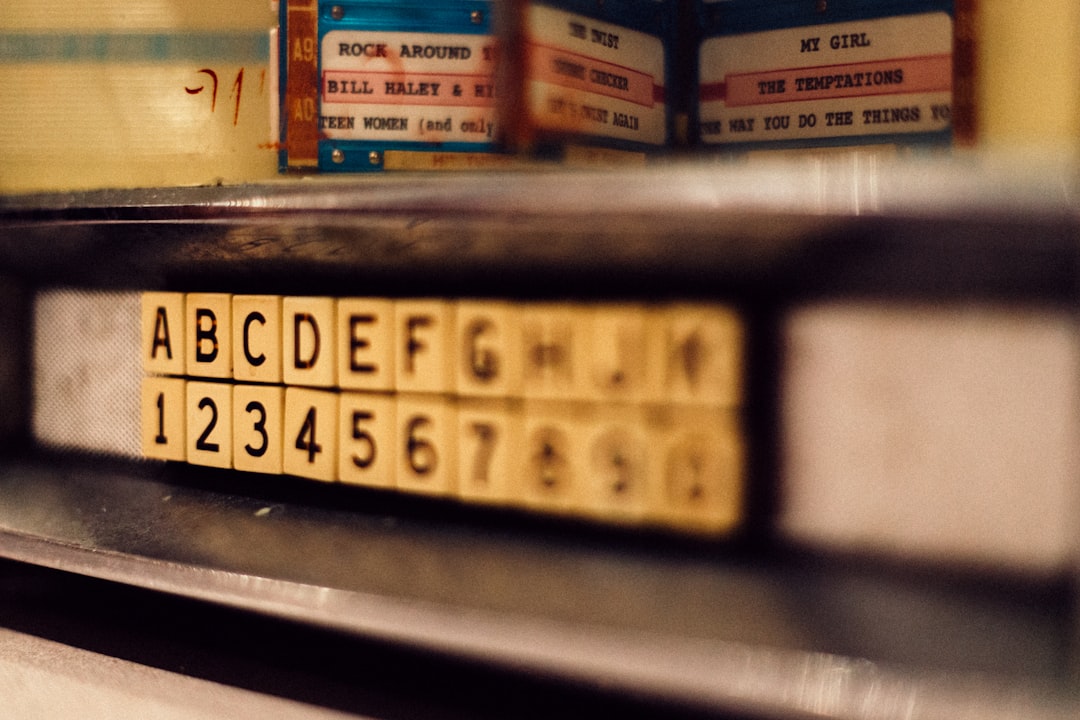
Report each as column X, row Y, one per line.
column 618, row 411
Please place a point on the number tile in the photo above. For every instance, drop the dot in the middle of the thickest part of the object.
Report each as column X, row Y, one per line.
column 368, row 439
column 258, row 413
column 489, row 435
column 209, row 424
column 697, row 458
column 426, row 445
column 617, row 484
column 163, row 418
column 554, row 460
column 309, row 442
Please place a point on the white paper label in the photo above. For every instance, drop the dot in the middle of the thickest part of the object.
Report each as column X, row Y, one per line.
column 593, row 78
column 871, row 77
column 399, row 86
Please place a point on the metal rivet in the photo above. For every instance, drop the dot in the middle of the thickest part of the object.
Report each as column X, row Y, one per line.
column 375, row 157
column 822, row 6
column 477, row 17
column 337, row 156
column 337, row 12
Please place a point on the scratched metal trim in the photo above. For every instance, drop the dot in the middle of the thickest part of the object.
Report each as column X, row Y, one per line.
column 129, row 529
column 975, row 227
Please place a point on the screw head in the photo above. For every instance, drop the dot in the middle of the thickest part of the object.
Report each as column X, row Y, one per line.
column 338, row 156
column 337, row 12
column 374, row 157
column 822, row 6
column 476, row 16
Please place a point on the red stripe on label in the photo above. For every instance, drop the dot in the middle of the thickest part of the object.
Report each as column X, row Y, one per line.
column 558, row 66
column 710, row 92
column 900, row 76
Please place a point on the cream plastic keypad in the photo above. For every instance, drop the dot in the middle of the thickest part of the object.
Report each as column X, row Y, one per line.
column 620, row 412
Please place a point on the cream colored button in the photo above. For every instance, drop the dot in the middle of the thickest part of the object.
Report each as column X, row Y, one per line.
column 162, row 345
column 207, row 319
column 553, row 459
column 489, row 448
column 368, row 429
column 164, row 418
column 366, row 344
column 258, row 414
column 617, row 353
column 427, row 445
column 309, row 443
column 309, row 336
column 697, row 457
column 489, row 349
column 617, row 485
column 209, row 424
column 699, row 358
column 554, row 350
column 425, row 346
column 256, row 326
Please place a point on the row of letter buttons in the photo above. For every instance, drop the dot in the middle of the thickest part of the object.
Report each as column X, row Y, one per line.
column 675, row 353
column 671, row 465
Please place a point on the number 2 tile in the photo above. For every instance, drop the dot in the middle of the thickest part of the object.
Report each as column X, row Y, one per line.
column 209, row 424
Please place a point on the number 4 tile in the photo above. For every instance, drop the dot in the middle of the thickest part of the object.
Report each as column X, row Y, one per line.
column 309, row 442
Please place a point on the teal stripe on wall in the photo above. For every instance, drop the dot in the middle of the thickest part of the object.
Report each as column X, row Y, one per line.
column 241, row 46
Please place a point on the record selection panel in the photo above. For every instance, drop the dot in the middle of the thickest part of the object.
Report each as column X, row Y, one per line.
column 615, row 411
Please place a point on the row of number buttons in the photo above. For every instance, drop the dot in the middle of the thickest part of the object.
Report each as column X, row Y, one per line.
column 679, row 466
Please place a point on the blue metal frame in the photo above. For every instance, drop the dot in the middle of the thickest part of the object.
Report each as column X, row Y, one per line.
column 429, row 16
